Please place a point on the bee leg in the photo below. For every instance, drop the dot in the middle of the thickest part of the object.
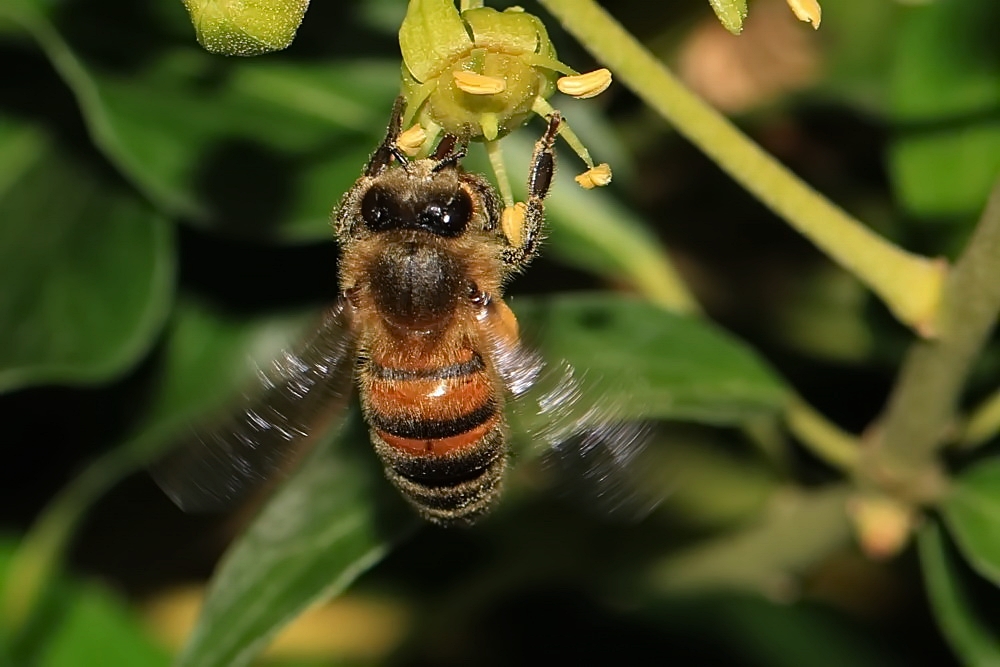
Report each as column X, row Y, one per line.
column 524, row 246
column 383, row 155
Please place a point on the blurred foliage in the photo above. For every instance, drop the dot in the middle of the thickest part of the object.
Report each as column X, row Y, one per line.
column 164, row 226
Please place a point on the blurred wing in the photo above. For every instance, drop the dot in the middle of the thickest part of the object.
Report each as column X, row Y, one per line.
column 300, row 392
column 573, row 424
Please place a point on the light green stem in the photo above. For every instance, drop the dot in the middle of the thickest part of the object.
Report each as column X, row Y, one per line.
column 495, row 154
column 910, row 285
column 830, row 443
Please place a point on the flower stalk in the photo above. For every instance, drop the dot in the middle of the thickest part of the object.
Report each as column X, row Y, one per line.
column 910, row 285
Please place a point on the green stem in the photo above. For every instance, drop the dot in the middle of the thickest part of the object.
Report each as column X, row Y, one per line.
column 495, row 154
column 921, row 409
column 909, row 284
column 799, row 530
column 835, row 446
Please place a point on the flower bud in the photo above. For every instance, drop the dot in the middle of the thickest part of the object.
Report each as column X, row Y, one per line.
column 245, row 27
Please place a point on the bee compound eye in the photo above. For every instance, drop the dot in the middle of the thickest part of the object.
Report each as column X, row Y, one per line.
column 447, row 217
column 377, row 209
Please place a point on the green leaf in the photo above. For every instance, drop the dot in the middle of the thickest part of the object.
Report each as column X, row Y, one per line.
column 101, row 122
column 96, row 628
column 663, row 365
column 246, row 27
column 947, row 172
column 267, row 154
column 945, row 93
column 206, row 356
column 334, row 520
column 316, row 535
column 947, row 61
column 974, row 641
column 85, row 624
column 972, row 512
column 266, row 151
column 88, row 270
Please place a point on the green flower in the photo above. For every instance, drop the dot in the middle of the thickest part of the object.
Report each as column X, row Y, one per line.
column 474, row 74
column 481, row 74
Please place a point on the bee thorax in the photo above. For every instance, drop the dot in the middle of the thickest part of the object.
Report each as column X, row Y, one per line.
column 416, row 285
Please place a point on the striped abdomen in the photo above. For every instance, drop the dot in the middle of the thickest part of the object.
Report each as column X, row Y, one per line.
column 439, row 431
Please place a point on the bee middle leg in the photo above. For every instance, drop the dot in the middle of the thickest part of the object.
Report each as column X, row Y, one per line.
column 523, row 247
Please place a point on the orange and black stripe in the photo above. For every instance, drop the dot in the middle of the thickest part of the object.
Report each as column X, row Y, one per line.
column 440, row 433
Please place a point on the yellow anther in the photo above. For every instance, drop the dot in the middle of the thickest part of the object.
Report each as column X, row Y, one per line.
column 595, row 177
column 585, row 85
column 411, row 141
column 512, row 223
column 478, row 84
column 807, row 10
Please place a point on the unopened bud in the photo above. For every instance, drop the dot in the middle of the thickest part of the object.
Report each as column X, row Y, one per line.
column 883, row 524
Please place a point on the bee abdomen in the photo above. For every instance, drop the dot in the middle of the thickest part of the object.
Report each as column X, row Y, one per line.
column 440, row 433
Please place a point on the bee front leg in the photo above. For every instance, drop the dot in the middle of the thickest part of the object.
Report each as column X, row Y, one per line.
column 523, row 223
column 388, row 149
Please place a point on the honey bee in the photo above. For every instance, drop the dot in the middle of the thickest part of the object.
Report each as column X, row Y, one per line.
column 423, row 331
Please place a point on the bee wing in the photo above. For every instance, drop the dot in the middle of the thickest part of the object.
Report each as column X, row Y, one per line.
column 298, row 393
column 577, row 428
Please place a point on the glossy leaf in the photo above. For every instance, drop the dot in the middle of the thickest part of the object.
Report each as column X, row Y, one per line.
column 265, row 152
column 945, row 91
column 269, row 153
column 969, row 635
column 87, row 270
column 315, row 537
column 972, row 512
column 85, row 624
column 207, row 356
column 666, row 366
column 96, row 628
column 333, row 520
